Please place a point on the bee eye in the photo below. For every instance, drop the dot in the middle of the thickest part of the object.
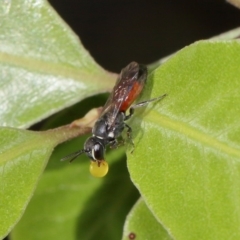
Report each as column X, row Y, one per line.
column 98, row 168
column 98, row 152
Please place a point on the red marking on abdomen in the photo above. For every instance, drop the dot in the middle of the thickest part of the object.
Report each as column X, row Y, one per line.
column 133, row 94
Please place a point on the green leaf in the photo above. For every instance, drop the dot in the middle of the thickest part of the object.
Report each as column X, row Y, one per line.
column 186, row 162
column 23, row 157
column 43, row 66
column 143, row 225
column 68, row 201
column 71, row 204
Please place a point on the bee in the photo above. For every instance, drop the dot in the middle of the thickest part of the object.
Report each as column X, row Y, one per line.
column 112, row 120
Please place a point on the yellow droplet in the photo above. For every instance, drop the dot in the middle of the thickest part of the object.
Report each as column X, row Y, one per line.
column 98, row 169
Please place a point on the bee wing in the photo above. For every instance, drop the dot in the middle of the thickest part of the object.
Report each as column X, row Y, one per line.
column 114, row 102
column 128, row 86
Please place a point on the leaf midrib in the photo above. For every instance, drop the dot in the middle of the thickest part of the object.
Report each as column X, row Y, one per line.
column 190, row 132
column 55, row 69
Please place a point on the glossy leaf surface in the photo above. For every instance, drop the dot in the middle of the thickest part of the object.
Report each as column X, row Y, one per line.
column 43, row 66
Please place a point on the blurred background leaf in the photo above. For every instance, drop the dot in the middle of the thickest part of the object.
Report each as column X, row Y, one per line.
column 71, row 204
column 23, row 157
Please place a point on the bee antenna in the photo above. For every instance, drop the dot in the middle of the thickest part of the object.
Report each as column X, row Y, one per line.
column 72, row 156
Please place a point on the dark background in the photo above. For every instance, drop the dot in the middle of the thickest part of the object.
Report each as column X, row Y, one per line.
column 117, row 32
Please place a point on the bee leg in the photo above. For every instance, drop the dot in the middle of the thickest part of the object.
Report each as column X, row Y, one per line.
column 114, row 143
column 142, row 104
column 129, row 135
column 131, row 112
